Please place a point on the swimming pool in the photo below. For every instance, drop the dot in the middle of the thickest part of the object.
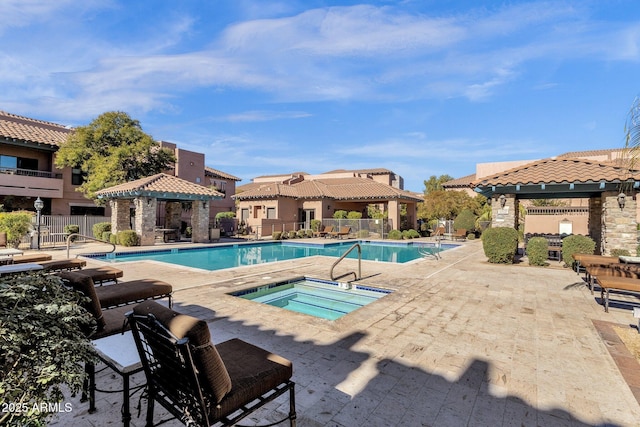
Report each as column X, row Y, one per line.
column 315, row 297
column 219, row 257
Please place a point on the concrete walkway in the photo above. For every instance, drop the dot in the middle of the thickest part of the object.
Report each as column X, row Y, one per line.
column 460, row 342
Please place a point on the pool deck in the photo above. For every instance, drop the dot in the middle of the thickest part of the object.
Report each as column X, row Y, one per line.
column 460, row 342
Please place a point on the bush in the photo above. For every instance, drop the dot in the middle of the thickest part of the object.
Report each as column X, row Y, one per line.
column 276, row 235
column 362, row 234
column 106, row 236
column 71, row 229
column 301, row 234
column 471, row 236
column 113, row 238
column 316, row 224
column 538, row 251
column 100, row 228
column 44, row 345
column 466, row 220
column 500, row 244
column 128, row 238
column 576, row 244
column 620, row 252
column 292, row 234
column 410, row 234
column 309, row 233
column 354, row 215
column 395, row 235
column 340, row 214
column 16, row 225
column 225, row 215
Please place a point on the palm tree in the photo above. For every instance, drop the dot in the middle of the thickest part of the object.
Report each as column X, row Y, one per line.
column 632, row 133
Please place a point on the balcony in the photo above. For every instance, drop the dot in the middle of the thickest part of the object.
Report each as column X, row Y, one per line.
column 30, row 183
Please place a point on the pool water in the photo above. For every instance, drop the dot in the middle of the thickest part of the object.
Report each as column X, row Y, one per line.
column 236, row 255
column 315, row 297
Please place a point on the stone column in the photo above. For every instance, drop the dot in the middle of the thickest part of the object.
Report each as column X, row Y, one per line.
column 173, row 217
column 200, row 221
column 619, row 224
column 120, row 217
column 146, row 219
column 394, row 214
column 596, row 225
column 504, row 216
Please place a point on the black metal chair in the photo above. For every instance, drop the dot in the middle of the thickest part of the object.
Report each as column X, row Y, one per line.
column 199, row 383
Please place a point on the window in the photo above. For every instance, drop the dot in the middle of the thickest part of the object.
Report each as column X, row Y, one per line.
column 87, row 210
column 271, row 213
column 77, row 177
column 9, row 162
column 24, row 163
column 244, row 214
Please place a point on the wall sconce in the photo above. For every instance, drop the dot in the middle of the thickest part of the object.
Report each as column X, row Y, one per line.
column 622, row 200
column 328, row 207
column 503, row 200
column 148, row 201
column 204, row 204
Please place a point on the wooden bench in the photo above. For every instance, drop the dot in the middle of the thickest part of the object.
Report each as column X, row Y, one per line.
column 608, row 283
column 614, row 270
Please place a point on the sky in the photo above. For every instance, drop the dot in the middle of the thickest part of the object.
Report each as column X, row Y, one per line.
column 420, row 87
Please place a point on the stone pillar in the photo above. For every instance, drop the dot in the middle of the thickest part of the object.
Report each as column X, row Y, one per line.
column 596, row 225
column 394, row 214
column 120, row 217
column 146, row 219
column 507, row 215
column 173, row 217
column 200, row 221
column 619, row 224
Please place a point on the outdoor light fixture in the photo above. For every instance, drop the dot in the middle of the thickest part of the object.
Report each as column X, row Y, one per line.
column 621, row 200
column 38, row 204
column 503, row 200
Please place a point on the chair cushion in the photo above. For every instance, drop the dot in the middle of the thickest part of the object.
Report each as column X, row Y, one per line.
column 214, row 377
column 130, row 292
column 84, row 284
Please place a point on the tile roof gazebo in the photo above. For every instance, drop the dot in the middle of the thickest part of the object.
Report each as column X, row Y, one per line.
column 145, row 193
column 612, row 223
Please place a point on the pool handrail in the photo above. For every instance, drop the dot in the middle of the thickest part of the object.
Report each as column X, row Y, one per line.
column 356, row 276
column 87, row 237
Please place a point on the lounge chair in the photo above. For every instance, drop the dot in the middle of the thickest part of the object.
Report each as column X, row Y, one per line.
column 122, row 293
column 325, row 230
column 19, row 268
column 344, row 231
column 103, row 274
column 460, row 234
column 200, row 383
column 63, row 264
column 20, row 259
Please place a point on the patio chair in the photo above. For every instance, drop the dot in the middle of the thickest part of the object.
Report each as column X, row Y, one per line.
column 344, row 231
column 63, row 264
column 200, row 383
column 460, row 234
column 21, row 259
column 323, row 233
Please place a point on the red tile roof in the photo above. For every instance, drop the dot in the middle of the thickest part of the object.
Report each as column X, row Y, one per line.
column 208, row 171
column 464, row 182
column 162, row 186
column 14, row 127
column 332, row 188
column 559, row 170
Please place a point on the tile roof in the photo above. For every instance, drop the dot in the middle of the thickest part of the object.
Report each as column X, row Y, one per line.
column 464, row 181
column 333, row 188
column 374, row 171
column 609, row 152
column 208, row 171
column 559, row 170
column 162, row 186
column 14, row 127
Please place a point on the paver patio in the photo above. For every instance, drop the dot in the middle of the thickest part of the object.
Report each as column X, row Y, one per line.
column 460, row 342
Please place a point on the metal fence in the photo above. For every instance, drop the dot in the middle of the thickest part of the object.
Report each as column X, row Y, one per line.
column 52, row 227
column 360, row 228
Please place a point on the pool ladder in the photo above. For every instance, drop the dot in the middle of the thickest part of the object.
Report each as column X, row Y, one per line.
column 355, row 276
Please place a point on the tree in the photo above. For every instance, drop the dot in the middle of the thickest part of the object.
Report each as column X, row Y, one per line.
column 435, row 183
column 112, row 150
column 445, row 204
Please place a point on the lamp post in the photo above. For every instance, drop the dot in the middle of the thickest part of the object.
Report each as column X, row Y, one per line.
column 38, row 204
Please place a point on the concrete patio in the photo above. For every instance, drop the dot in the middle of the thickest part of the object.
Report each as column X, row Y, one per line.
column 460, row 342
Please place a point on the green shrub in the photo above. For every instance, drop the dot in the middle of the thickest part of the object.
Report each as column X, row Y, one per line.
column 362, row 234
column 225, row 215
column 538, row 251
column 309, row 233
column 410, row 234
column 16, row 225
column 340, row 214
column 44, row 346
column 113, row 238
column 293, row 234
column 500, row 244
column 106, row 236
column 100, row 228
column 301, row 234
column 620, row 252
column 128, row 238
column 354, row 215
column 471, row 236
column 465, row 219
column 576, row 244
column 71, row 229
column 276, row 235
column 316, row 224
column 395, row 235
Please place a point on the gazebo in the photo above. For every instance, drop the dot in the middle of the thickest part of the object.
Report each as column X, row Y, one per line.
column 611, row 190
column 145, row 193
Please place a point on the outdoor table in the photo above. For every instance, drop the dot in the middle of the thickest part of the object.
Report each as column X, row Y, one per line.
column 119, row 353
column 6, row 255
column 165, row 232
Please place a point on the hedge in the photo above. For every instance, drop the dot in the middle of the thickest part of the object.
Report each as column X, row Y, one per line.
column 538, row 251
column 576, row 244
column 500, row 244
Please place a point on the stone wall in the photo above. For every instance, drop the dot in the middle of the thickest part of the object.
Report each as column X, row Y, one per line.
column 146, row 219
column 200, row 221
column 506, row 216
column 120, row 216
